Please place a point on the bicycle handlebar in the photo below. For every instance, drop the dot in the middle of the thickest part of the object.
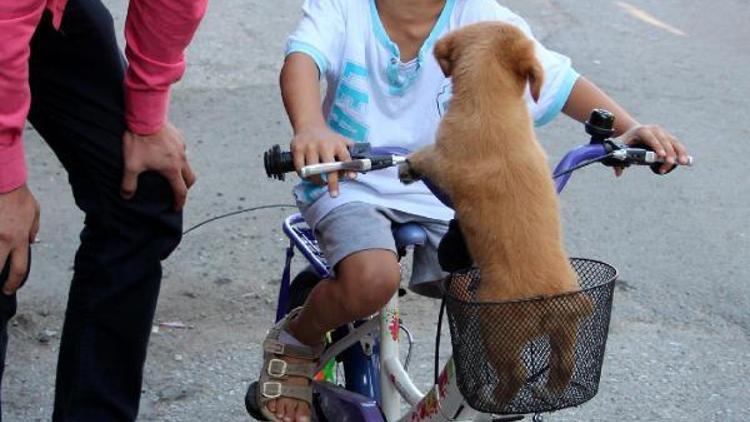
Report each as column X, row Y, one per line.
column 601, row 149
column 277, row 162
column 362, row 165
column 609, row 154
column 641, row 156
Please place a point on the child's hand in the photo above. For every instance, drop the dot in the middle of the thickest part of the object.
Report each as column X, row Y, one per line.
column 319, row 144
column 663, row 143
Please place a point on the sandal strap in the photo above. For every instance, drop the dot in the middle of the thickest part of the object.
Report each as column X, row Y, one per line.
column 273, row 345
column 272, row 390
column 274, row 377
column 280, row 369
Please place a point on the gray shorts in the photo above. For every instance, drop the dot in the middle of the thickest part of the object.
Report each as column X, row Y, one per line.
column 359, row 226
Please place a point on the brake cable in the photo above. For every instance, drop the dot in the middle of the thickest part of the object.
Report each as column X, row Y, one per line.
column 263, row 207
column 233, row 213
column 437, row 337
column 584, row 164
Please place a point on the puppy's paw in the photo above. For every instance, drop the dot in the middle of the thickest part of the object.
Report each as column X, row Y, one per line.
column 407, row 175
column 546, row 393
column 555, row 387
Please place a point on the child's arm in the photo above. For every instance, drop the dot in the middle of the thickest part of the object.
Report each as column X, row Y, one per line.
column 314, row 142
column 586, row 96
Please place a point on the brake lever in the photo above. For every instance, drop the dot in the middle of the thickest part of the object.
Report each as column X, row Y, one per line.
column 621, row 155
column 614, row 160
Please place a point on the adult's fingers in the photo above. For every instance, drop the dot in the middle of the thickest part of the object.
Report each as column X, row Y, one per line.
column 4, row 257
column 188, row 175
column 129, row 183
column 179, row 189
column 35, row 225
column 19, row 265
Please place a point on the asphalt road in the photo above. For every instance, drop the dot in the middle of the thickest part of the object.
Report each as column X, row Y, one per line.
column 679, row 345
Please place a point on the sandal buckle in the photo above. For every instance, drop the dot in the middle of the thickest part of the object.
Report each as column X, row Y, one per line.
column 275, row 347
column 276, row 368
column 271, row 390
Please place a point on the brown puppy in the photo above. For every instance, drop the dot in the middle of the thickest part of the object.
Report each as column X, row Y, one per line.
column 487, row 159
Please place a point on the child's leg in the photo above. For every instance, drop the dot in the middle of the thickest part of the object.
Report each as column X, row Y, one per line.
column 365, row 282
column 357, row 239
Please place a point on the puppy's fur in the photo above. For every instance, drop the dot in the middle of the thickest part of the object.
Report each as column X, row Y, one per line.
column 487, row 159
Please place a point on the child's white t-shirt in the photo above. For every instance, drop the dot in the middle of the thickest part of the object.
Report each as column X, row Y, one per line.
column 373, row 97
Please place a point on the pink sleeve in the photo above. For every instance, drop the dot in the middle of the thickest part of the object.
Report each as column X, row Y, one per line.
column 18, row 20
column 157, row 33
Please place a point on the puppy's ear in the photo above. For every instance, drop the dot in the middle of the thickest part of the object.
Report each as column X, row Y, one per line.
column 535, row 74
column 443, row 53
column 529, row 68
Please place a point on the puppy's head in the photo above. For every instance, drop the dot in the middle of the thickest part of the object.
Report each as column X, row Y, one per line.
column 467, row 49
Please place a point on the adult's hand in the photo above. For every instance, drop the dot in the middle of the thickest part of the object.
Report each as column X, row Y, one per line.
column 19, row 225
column 162, row 152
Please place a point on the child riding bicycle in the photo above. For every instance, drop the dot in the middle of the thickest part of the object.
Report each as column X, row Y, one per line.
column 385, row 87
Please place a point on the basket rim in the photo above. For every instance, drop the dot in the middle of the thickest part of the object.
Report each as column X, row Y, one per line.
column 446, row 281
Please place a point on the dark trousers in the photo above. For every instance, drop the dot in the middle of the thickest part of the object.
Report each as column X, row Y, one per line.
column 7, row 310
column 76, row 77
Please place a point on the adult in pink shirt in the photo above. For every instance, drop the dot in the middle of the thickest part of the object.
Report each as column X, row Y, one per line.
column 61, row 68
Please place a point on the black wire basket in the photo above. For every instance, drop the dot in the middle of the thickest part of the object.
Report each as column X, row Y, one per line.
column 530, row 356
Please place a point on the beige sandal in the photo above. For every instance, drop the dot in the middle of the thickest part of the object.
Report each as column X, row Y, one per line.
column 276, row 371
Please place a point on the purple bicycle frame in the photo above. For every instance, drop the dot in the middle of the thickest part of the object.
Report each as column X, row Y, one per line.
column 362, row 409
column 570, row 160
column 573, row 158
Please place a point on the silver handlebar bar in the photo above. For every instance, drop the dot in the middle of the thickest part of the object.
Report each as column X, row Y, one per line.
column 626, row 155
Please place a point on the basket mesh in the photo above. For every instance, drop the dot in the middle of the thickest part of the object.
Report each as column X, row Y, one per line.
column 497, row 343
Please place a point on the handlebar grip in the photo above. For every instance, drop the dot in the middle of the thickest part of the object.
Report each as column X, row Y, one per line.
column 277, row 162
column 655, row 163
column 362, row 164
column 641, row 155
column 315, row 169
column 656, row 166
column 690, row 162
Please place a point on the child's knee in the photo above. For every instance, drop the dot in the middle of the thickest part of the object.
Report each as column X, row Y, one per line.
column 369, row 286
